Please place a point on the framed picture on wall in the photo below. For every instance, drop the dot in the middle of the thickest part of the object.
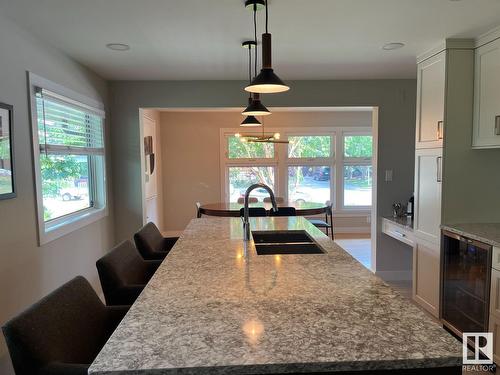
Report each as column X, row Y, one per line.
column 7, row 180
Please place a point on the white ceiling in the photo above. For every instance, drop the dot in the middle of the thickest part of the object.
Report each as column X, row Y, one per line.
column 200, row 39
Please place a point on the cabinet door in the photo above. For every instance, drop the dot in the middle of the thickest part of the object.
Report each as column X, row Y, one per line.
column 495, row 294
column 430, row 101
column 486, row 132
column 426, row 275
column 428, row 177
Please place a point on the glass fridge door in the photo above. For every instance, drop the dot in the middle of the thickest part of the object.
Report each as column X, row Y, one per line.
column 466, row 283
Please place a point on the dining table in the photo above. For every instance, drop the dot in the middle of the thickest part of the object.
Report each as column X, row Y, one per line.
column 232, row 209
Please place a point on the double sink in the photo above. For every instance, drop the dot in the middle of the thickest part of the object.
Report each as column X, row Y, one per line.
column 285, row 242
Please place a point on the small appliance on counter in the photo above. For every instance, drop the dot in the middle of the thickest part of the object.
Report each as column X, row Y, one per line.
column 465, row 283
column 410, row 207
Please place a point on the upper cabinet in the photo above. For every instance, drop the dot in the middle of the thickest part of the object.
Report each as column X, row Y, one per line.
column 486, row 129
column 431, row 85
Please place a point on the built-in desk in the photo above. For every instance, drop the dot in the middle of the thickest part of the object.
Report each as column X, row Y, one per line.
column 400, row 228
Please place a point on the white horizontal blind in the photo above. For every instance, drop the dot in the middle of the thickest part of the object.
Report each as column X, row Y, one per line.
column 68, row 127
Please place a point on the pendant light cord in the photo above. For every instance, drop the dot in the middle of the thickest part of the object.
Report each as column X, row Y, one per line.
column 255, row 35
column 250, row 63
column 267, row 17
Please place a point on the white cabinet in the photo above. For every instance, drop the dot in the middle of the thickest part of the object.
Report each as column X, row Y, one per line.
column 426, row 275
column 428, row 181
column 431, row 101
column 494, row 323
column 486, row 133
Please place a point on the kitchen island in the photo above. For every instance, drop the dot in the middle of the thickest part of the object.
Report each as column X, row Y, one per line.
column 216, row 307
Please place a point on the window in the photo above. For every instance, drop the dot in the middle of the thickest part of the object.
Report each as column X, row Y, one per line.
column 307, row 169
column 69, row 161
column 357, row 170
column 309, row 162
column 309, row 146
column 240, row 178
column 238, row 149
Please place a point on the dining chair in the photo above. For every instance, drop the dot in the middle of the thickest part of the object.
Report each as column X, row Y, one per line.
column 151, row 244
column 326, row 224
column 124, row 274
column 254, row 212
column 278, row 200
column 284, row 211
column 63, row 332
column 198, row 210
column 241, row 200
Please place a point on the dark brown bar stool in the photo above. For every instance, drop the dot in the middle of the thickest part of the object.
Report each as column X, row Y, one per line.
column 124, row 274
column 63, row 332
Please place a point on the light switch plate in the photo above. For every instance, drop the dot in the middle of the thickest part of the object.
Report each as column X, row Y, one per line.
column 388, row 175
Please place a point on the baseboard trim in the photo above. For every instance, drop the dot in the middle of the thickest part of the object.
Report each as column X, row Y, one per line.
column 395, row 275
column 359, row 230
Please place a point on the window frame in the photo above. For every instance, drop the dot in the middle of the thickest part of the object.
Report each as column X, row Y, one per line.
column 352, row 161
column 227, row 163
column 61, row 226
column 315, row 161
column 281, row 162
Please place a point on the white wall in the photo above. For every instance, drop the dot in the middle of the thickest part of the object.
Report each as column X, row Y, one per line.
column 190, row 144
column 28, row 272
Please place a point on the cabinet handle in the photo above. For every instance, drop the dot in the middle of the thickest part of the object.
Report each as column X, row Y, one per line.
column 497, row 125
column 440, row 129
column 439, row 169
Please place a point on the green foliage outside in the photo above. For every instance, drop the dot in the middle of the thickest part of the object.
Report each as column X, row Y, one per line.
column 5, row 181
column 309, row 146
column 358, row 146
column 59, row 172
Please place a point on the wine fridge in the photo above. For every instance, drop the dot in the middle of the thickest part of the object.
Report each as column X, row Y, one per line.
column 465, row 284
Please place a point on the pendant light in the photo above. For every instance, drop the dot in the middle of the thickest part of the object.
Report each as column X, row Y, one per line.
column 255, row 106
column 261, row 138
column 250, row 120
column 267, row 82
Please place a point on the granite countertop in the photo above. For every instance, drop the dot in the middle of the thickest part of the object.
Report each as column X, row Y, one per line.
column 405, row 221
column 483, row 232
column 212, row 309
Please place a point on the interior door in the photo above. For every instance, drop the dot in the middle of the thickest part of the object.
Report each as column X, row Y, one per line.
column 150, row 170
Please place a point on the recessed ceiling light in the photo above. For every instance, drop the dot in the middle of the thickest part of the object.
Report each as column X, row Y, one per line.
column 118, row 46
column 392, row 46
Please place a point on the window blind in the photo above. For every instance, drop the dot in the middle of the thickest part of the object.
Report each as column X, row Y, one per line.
column 68, row 127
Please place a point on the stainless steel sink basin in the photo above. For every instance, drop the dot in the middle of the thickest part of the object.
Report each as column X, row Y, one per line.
column 285, row 242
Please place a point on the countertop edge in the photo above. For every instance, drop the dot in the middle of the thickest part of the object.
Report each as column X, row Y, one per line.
column 283, row 368
column 458, row 229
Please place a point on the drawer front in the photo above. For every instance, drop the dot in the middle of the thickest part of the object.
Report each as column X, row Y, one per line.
column 395, row 231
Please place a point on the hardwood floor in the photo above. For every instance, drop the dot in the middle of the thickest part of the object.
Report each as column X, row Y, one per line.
column 359, row 248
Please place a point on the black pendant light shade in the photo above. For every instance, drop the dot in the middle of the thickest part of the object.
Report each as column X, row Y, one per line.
column 267, row 82
column 255, row 4
column 250, row 121
column 255, row 107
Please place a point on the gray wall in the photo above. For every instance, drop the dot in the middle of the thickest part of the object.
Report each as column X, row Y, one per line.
column 395, row 98
column 28, row 272
column 471, row 178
